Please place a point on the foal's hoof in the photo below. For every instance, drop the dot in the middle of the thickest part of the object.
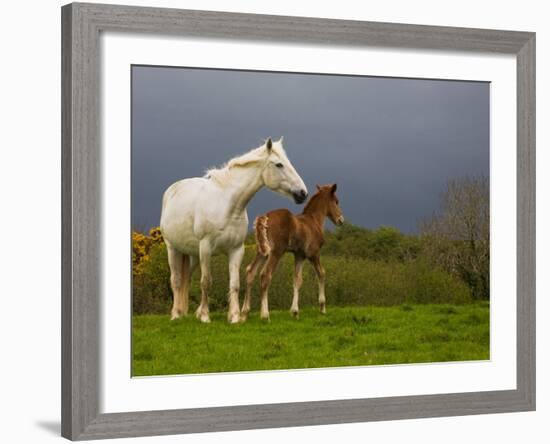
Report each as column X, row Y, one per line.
column 295, row 314
column 243, row 317
column 265, row 318
column 323, row 309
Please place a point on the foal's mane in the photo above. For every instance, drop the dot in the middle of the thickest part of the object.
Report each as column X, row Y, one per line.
column 221, row 174
column 312, row 202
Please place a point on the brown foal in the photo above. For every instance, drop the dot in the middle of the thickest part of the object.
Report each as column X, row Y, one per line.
column 279, row 231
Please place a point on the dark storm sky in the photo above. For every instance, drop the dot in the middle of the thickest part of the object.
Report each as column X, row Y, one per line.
column 390, row 144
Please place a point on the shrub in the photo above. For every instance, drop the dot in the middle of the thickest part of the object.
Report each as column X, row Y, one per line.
column 384, row 243
column 349, row 281
column 151, row 291
column 457, row 236
column 141, row 246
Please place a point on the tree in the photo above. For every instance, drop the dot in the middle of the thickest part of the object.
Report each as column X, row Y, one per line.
column 457, row 236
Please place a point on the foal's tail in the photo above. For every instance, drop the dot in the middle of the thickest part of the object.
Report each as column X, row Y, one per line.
column 262, row 240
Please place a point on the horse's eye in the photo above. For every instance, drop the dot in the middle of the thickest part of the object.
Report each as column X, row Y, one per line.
column 279, row 165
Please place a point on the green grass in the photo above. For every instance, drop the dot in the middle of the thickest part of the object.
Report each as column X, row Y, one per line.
column 345, row 336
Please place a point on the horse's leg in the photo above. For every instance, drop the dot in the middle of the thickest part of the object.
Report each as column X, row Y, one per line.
column 189, row 265
column 193, row 263
column 235, row 260
column 251, row 272
column 265, row 280
column 320, row 271
column 176, row 263
column 202, row 312
column 298, row 265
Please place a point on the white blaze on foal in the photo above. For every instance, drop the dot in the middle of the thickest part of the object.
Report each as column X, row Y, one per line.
column 205, row 215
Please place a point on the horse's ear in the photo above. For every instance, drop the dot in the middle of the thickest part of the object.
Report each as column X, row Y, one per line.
column 281, row 140
column 318, row 187
column 269, row 144
column 333, row 188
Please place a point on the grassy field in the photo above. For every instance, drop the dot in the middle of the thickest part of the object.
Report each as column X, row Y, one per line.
column 346, row 336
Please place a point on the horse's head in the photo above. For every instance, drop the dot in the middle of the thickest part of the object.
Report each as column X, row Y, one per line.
column 279, row 175
column 334, row 212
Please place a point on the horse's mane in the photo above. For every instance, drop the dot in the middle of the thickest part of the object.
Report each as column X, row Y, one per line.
column 221, row 174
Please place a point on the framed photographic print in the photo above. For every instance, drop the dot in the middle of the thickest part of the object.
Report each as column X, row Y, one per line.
column 278, row 221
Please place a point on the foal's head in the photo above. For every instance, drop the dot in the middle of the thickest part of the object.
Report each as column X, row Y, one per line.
column 326, row 195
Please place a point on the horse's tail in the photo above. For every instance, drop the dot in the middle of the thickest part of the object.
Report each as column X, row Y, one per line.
column 262, row 239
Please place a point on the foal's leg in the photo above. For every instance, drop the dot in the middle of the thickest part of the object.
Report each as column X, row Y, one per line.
column 298, row 265
column 202, row 312
column 265, row 279
column 251, row 272
column 176, row 263
column 235, row 259
column 320, row 271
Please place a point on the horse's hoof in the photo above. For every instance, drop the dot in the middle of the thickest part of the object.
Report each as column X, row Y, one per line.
column 265, row 318
column 323, row 309
column 295, row 313
column 205, row 319
column 234, row 319
column 175, row 315
column 202, row 316
column 243, row 317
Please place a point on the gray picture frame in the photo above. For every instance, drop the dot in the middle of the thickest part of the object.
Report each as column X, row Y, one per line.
column 81, row 232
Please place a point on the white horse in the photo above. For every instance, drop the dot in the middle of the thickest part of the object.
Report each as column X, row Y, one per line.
column 203, row 215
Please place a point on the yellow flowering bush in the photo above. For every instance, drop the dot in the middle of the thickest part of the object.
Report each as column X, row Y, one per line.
column 141, row 248
column 150, row 272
